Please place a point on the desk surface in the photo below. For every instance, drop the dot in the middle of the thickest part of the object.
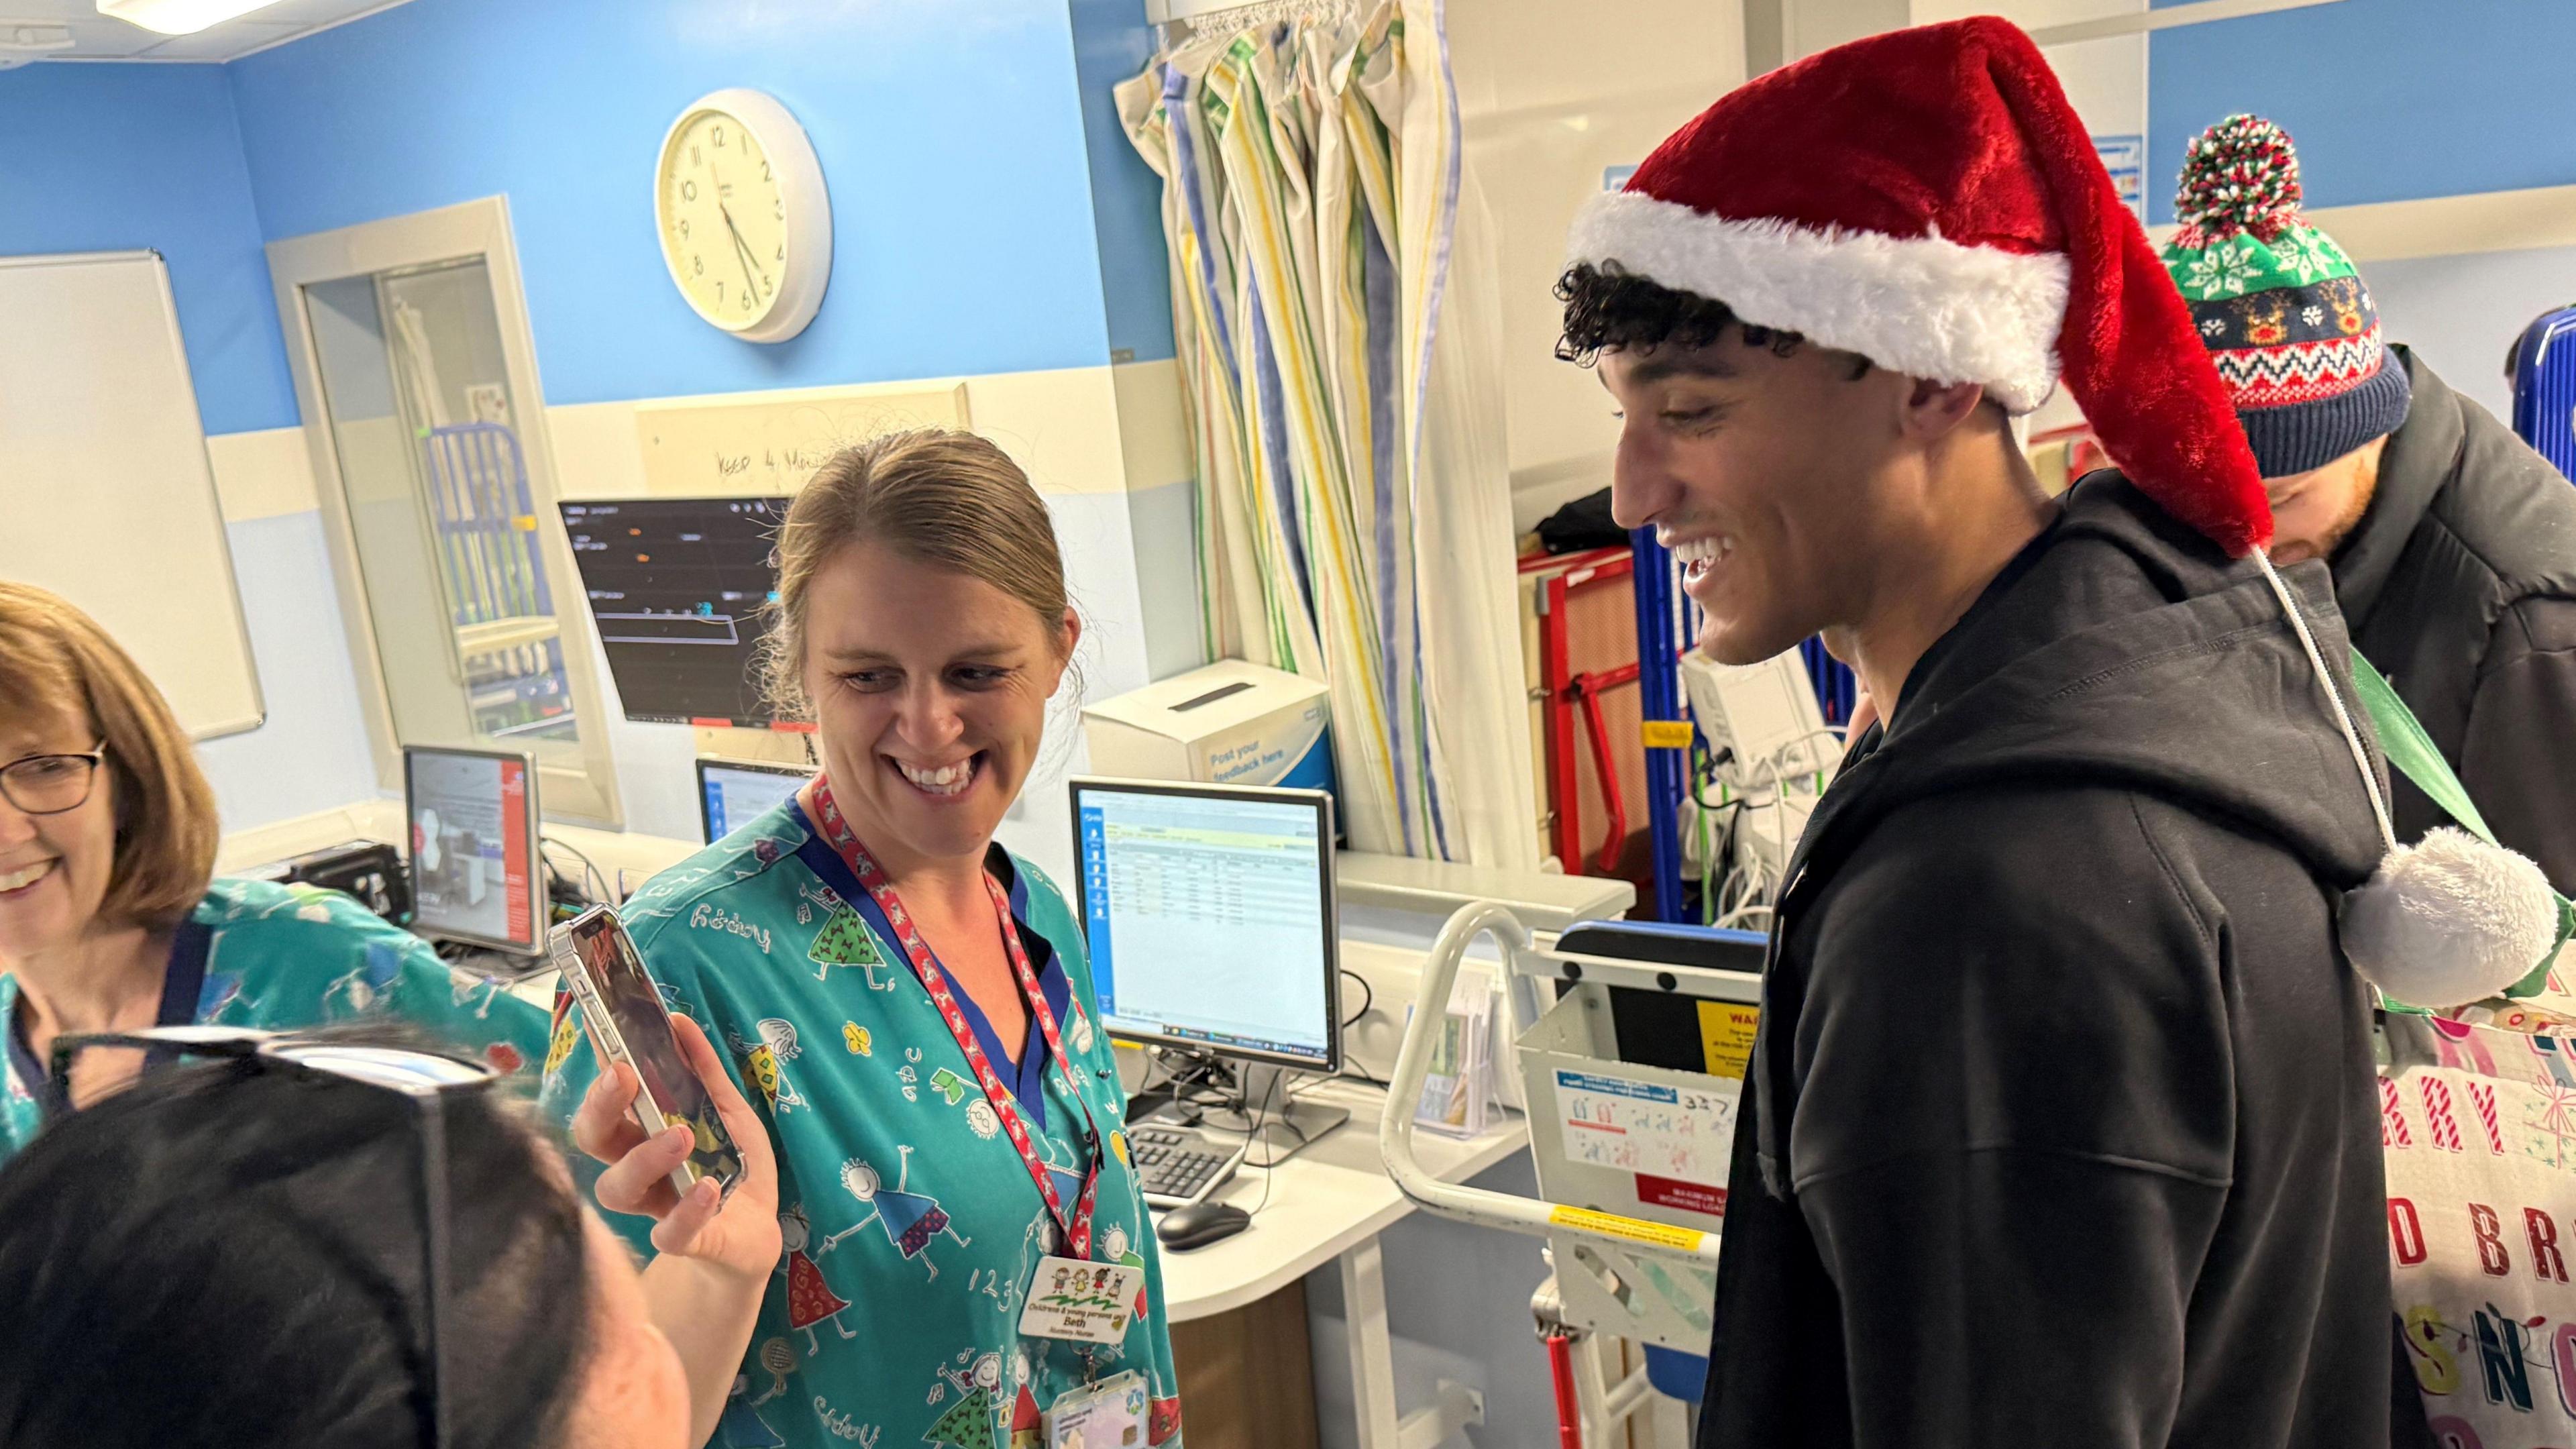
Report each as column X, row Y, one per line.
column 1324, row 1201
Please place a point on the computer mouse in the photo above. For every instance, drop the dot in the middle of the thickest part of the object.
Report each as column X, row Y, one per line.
column 1200, row 1224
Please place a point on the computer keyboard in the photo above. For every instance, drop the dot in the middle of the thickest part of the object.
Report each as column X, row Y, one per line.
column 1177, row 1166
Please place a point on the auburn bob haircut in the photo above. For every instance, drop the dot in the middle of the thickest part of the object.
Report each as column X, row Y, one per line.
column 56, row 661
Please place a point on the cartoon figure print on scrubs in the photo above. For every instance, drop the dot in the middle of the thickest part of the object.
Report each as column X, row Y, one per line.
column 110, row 916
column 908, row 1005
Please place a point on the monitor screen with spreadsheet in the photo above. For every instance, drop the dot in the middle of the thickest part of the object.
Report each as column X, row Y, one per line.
column 733, row 793
column 677, row 586
column 1209, row 912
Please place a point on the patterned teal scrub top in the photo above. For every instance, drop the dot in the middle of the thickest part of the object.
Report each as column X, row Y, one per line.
column 286, row 956
column 912, row 1227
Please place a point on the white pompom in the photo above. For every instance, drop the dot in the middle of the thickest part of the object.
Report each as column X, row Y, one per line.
column 2450, row 920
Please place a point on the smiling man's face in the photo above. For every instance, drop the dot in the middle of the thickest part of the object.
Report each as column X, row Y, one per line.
column 1763, row 472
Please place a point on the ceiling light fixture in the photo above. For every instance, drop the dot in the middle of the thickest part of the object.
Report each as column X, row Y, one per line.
column 179, row 17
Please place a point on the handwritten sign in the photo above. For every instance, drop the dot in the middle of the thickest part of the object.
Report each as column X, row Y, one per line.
column 1684, row 1135
column 770, row 444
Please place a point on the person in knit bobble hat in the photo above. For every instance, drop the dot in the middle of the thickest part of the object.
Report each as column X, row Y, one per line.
column 2061, row 1126
column 2453, row 544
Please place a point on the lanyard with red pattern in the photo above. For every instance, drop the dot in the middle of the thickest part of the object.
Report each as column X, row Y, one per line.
column 1077, row 1226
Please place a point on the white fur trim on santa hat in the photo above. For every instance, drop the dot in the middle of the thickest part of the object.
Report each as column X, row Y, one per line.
column 2449, row 920
column 1921, row 306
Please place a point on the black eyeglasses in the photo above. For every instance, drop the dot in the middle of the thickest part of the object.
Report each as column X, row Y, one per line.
column 51, row 784
column 425, row 1079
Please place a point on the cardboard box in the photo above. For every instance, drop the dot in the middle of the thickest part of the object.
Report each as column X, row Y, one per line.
column 1230, row 723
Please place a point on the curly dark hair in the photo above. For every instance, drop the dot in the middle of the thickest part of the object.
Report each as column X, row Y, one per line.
column 1608, row 308
column 278, row 1200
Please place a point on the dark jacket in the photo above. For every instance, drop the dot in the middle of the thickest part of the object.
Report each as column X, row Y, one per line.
column 2061, row 1127
column 2460, row 585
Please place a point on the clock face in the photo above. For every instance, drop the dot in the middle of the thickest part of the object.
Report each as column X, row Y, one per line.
column 723, row 207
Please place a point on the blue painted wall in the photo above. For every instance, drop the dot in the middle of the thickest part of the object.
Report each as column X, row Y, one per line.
column 2389, row 100
column 119, row 157
column 1111, row 43
column 950, row 134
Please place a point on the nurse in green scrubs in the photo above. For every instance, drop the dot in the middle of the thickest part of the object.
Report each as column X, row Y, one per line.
column 110, row 918
column 959, row 1255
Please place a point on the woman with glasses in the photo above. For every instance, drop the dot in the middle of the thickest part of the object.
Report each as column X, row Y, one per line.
column 328, row 1242
column 110, row 915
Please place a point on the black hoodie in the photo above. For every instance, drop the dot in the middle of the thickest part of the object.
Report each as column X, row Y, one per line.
column 2460, row 585
column 2061, row 1127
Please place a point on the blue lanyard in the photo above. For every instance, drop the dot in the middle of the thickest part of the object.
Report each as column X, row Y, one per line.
column 182, row 982
column 1029, row 1087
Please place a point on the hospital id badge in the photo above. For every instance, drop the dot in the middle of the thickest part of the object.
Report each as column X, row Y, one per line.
column 1081, row 1301
column 1107, row 1415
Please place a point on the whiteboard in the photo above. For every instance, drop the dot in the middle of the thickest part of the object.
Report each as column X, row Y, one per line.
column 105, row 494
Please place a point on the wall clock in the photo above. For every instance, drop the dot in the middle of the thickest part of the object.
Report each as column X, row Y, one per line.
column 746, row 226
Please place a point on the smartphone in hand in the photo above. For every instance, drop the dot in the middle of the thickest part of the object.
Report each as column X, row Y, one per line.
column 628, row 1023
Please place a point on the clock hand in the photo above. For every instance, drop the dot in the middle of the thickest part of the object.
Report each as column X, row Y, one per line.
column 742, row 249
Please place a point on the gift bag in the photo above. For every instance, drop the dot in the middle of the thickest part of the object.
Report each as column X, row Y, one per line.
column 2478, row 1128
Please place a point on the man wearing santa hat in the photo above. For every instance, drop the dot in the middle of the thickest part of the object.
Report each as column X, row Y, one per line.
column 2061, row 1126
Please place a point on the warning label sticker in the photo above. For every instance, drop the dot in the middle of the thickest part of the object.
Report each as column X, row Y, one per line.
column 1726, row 1036
column 1656, row 1191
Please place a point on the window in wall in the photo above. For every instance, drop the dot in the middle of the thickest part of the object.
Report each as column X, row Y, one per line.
column 428, row 428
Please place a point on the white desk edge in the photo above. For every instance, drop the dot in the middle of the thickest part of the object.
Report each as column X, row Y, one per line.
column 1278, row 1249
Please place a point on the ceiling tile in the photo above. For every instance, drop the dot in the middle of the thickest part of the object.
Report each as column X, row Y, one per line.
column 220, row 42
column 96, row 35
column 305, row 12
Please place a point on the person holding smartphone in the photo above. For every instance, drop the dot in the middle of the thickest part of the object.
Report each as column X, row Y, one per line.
column 911, row 1003
column 237, row 1249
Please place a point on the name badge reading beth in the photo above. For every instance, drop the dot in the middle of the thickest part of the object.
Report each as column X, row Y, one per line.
column 1081, row 1301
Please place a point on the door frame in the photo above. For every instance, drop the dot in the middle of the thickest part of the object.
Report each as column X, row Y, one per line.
column 463, row 232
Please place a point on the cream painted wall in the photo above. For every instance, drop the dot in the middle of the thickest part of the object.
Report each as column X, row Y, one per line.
column 266, row 474
column 1549, row 102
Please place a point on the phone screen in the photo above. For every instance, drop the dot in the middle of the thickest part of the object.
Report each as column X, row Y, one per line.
column 643, row 1024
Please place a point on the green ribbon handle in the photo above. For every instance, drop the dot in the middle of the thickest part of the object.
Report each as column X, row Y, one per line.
column 2411, row 753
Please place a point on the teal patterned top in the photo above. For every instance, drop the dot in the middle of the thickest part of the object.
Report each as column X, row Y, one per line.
column 912, row 1227
column 287, row 956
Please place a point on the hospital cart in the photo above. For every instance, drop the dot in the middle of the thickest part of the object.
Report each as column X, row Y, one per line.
column 1631, row 1155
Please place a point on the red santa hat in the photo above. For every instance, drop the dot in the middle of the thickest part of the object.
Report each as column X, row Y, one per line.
column 1928, row 199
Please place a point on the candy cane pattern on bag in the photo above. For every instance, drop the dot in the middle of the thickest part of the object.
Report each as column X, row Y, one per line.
column 2484, row 1097
column 2437, row 1111
column 2392, row 1118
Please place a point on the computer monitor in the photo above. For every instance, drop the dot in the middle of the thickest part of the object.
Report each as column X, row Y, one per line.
column 475, row 875
column 1209, row 912
column 732, row 793
column 1764, row 717
column 676, row 586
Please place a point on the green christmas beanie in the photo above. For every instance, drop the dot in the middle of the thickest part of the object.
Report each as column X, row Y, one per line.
column 2278, row 304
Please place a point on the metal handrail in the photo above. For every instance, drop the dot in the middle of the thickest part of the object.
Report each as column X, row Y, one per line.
column 1505, row 1211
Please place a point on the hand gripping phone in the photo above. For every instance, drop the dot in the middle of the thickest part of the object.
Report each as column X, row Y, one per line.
column 628, row 1023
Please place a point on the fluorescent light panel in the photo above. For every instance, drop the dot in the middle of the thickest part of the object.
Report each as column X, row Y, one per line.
column 179, row 17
